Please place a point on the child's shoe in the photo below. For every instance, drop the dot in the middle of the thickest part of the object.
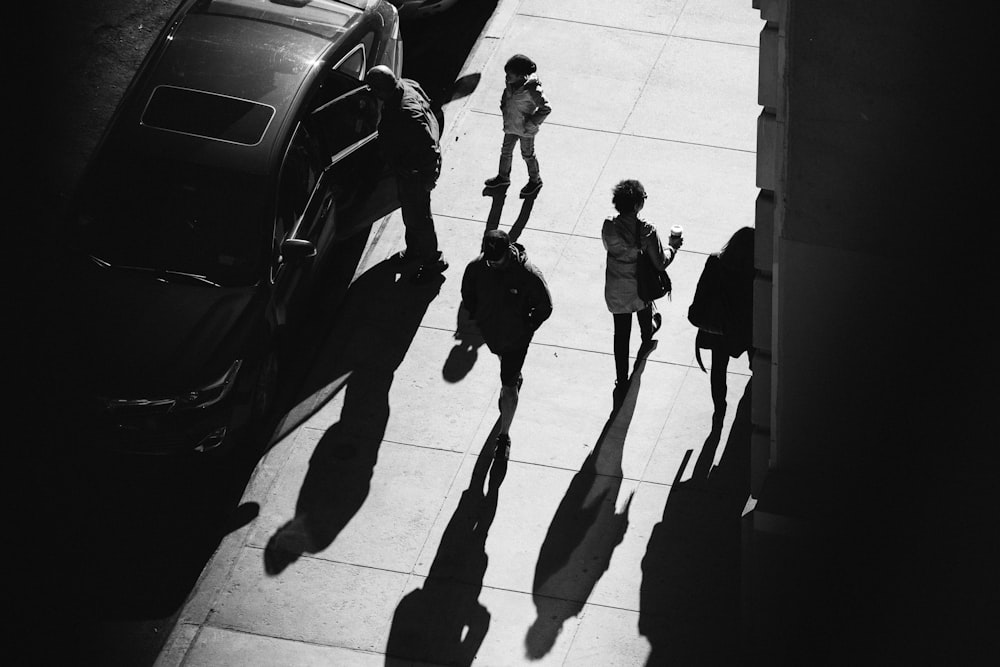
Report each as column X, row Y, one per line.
column 497, row 181
column 531, row 189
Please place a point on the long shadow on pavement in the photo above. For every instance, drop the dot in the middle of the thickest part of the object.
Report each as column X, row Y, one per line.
column 443, row 622
column 690, row 592
column 499, row 195
column 383, row 314
column 585, row 530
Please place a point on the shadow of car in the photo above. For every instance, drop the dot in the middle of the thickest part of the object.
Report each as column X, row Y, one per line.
column 226, row 175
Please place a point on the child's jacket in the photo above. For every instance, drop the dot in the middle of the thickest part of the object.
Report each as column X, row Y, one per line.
column 524, row 108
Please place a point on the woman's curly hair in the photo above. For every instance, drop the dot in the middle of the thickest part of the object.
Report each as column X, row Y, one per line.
column 627, row 195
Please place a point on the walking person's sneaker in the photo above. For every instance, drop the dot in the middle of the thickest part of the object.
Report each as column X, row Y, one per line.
column 531, row 189
column 503, row 447
column 497, row 181
column 431, row 269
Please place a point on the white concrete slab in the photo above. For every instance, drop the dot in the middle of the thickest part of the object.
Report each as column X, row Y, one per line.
column 656, row 16
column 447, row 411
column 441, row 622
column 731, row 21
column 709, row 191
column 570, row 161
column 608, row 637
column 689, row 423
column 316, row 601
column 619, row 586
column 700, row 92
column 591, row 74
column 325, row 499
column 219, row 647
column 566, row 405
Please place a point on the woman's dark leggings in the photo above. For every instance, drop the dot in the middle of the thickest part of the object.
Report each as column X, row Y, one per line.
column 623, row 333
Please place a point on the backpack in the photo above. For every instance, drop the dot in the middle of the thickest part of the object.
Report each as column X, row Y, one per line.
column 708, row 308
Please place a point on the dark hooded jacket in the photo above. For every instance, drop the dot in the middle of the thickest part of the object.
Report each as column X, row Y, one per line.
column 408, row 133
column 508, row 303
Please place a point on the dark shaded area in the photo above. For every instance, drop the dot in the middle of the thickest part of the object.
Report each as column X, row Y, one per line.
column 435, row 48
column 383, row 315
column 892, row 556
column 110, row 546
column 117, row 541
column 690, row 593
column 585, row 529
column 443, row 622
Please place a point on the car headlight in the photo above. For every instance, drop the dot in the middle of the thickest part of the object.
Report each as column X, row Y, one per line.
column 213, row 392
column 203, row 397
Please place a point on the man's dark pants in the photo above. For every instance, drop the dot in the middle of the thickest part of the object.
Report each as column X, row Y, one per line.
column 415, row 205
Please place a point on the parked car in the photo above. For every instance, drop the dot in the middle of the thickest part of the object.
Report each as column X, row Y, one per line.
column 222, row 182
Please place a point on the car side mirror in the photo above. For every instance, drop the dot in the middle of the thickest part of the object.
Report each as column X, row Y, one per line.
column 296, row 250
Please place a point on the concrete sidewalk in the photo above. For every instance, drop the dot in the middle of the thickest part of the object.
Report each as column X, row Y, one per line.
column 383, row 537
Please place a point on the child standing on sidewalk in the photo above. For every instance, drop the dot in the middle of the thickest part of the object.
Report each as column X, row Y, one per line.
column 524, row 107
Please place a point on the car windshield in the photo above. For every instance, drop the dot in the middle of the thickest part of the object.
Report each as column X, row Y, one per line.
column 177, row 217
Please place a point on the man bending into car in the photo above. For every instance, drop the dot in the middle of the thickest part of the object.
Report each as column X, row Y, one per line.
column 409, row 134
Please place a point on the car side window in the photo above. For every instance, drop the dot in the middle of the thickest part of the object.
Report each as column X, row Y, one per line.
column 344, row 76
column 300, row 172
column 353, row 65
column 345, row 122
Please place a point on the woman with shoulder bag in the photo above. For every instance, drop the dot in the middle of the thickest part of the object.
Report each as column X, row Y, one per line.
column 625, row 237
column 734, row 292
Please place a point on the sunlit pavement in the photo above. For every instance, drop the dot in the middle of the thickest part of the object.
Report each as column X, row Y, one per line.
column 385, row 535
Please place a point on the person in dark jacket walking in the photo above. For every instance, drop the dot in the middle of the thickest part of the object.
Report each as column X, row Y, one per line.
column 734, row 271
column 507, row 298
column 524, row 107
column 409, row 136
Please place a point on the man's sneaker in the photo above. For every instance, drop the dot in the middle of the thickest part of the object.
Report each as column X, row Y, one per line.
column 497, row 181
column 503, row 447
column 427, row 271
column 531, row 189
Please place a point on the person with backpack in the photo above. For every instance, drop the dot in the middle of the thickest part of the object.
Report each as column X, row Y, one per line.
column 506, row 296
column 625, row 237
column 722, row 309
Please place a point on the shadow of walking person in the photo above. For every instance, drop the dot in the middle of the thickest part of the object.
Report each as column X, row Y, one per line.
column 386, row 314
column 522, row 218
column 689, row 597
column 463, row 355
column 443, row 622
column 499, row 195
column 585, row 530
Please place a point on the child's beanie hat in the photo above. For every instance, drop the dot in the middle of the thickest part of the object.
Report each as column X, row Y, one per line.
column 520, row 64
